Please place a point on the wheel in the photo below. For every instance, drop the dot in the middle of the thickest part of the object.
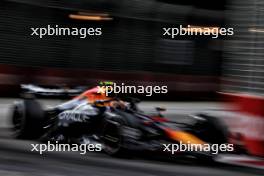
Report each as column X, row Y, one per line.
column 112, row 138
column 211, row 129
column 27, row 119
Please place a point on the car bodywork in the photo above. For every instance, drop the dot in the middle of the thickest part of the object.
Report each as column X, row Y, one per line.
column 90, row 117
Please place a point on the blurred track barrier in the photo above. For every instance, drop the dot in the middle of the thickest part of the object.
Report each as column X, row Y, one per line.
column 243, row 66
column 247, row 124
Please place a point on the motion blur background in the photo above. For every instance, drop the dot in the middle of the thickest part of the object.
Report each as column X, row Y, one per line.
column 132, row 47
column 133, row 50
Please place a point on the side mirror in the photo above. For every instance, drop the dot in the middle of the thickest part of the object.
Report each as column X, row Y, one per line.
column 98, row 103
column 160, row 109
column 132, row 99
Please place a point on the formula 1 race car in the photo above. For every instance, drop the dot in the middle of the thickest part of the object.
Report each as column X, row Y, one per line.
column 117, row 123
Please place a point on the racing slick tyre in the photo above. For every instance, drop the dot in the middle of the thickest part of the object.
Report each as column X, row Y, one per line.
column 211, row 129
column 112, row 138
column 27, row 119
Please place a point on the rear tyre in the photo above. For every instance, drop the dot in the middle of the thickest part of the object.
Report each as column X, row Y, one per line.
column 27, row 119
column 112, row 138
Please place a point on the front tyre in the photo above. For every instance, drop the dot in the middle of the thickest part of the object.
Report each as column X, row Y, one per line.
column 27, row 119
column 211, row 129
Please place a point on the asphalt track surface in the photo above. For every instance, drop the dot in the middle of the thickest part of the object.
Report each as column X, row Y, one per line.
column 16, row 158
